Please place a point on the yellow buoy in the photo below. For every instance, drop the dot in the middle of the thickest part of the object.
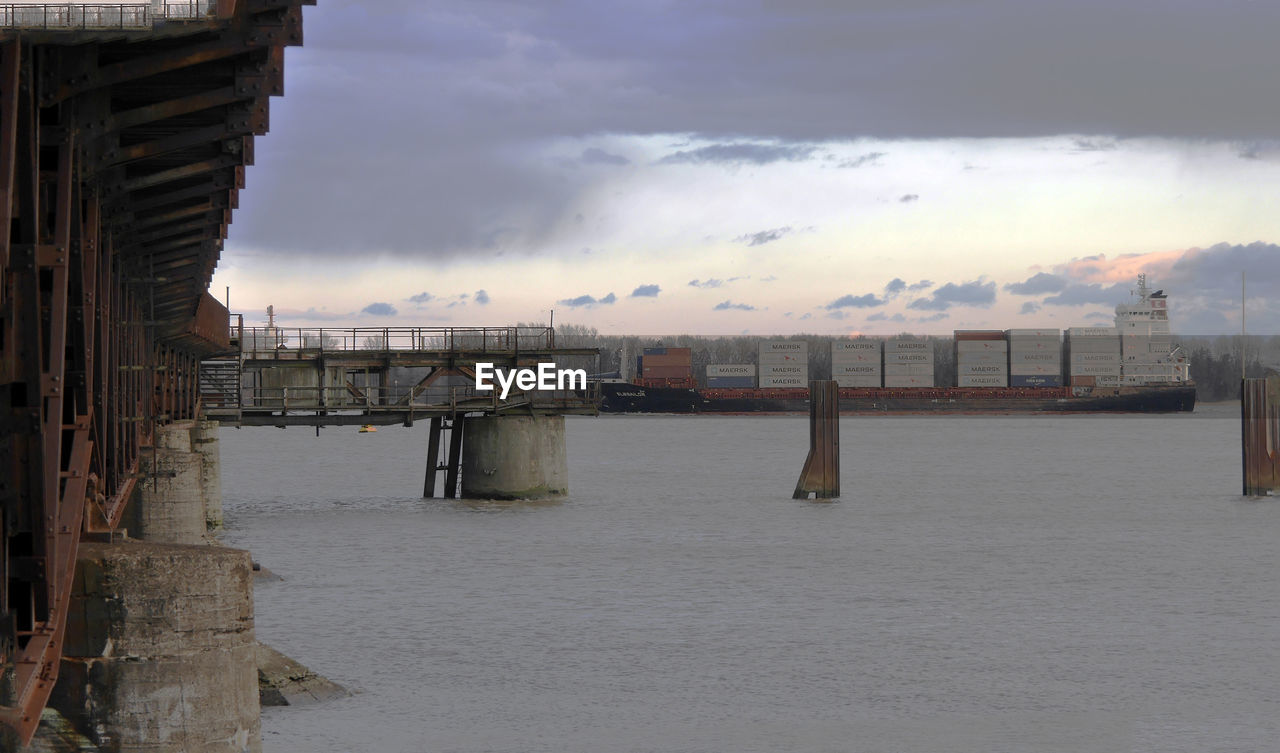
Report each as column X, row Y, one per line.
column 367, row 428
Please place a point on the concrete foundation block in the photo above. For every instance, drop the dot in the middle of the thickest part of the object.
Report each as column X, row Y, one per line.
column 514, row 457
column 160, row 652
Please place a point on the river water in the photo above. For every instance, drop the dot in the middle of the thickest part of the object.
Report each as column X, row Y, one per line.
column 1073, row 583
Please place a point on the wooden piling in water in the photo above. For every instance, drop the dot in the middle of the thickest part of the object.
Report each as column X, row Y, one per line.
column 821, row 474
column 1260, row 435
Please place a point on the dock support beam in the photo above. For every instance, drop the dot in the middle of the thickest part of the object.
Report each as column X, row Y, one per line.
column 821, row 474
column 1260, row 435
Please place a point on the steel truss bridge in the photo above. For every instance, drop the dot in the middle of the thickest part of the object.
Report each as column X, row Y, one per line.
column 125, row 131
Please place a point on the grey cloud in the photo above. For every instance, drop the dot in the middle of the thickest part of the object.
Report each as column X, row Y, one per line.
column 740, row 154
column 1030, row 307
column 883, row 317
column 587, row 300
column 895, row 286
column 922, row 285
column 712, row 282
column 836, row 315
column 870, row 158
column 908, row 198
column 728, row 305
column 1079, row 294
column 646, row 291
column 420, row 298
column 1038, row 284
column 482, row 87
column 379, row 309
column 933, row 317
column 482, row 297
column 806, row 316
column 973, row 293
column 856, row 301
column 1093, row 145
column 595, row 156
column 763, row 237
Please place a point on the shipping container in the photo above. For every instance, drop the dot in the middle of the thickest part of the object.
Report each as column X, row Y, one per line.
column 1035, row 356
column 865, row 356
column 1096, row 369
column 674, row 352
column 849, row 369
column 898, row 369
column 978, row 334
column 1075, row 332
column 853, row 380
column 782, row 381
column 1087, row 357
column 1023, row 334
column 784, row 369
column 1033, row 344
column 1081, row 380
column 854, row 346
column 667, row 372
column 907, row 346
column 731, row 382
column 982, row 380
column 1035, row 380
column 731, row 369
column 916, row 357
column 981, row 368
column 981, row 346
column 1028, row 369
column 908, row 381
column 988, row 357
column 785, row 347
column 779, row 358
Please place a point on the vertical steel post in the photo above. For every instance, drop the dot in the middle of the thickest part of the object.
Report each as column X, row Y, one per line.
column 1260, row 435
column 454, row 470
column 433, row 458
column 821, row 474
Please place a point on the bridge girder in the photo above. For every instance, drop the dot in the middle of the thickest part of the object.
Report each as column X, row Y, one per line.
column 121, row 157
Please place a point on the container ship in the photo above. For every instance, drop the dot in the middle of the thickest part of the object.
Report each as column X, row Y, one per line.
column 1131, row 367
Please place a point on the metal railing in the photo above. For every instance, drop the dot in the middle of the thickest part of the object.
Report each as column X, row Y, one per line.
column 404, row 399
column 100, row 16
column 263, row 340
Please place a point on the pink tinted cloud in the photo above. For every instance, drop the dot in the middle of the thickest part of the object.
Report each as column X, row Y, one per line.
column 1124, row 268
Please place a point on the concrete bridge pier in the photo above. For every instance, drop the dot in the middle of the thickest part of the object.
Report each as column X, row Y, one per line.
column 514, row 457
column 169, row 505
column 160, row 652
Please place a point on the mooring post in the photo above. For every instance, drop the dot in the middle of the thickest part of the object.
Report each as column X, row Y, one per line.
column 821, row 474
column 1260, row 435
column 455, row 456
column 433, row 457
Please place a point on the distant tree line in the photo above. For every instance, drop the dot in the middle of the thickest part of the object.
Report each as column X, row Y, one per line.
column 1215, row 361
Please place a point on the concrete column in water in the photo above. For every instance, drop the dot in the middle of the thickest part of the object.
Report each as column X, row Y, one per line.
column 204, row 440
column 514, row 457
column 160, row 652
column 168, row 505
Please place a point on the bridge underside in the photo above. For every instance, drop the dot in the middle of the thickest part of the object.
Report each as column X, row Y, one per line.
column 121, row 156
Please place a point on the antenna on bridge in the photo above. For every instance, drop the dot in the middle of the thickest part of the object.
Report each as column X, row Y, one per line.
column 271, row 316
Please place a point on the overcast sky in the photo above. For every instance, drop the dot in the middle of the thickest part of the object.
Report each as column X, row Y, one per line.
column 767, row 167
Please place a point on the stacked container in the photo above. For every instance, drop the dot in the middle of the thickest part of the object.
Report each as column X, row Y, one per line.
column 908, row 363
column 982, row 358
column 784, row 363
column 731, row 375
column 1093, row 356
column 666, row 363
column 1035, row 358
column 856, row 363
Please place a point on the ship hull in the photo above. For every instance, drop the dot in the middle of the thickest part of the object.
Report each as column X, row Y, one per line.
column 628, row 398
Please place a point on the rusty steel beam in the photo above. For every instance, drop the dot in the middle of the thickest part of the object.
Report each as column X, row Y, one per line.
column 821, row 474
column 1260, row 435
column 121, row 158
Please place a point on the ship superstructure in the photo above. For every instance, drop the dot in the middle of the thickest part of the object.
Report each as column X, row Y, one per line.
column 1147, row 353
